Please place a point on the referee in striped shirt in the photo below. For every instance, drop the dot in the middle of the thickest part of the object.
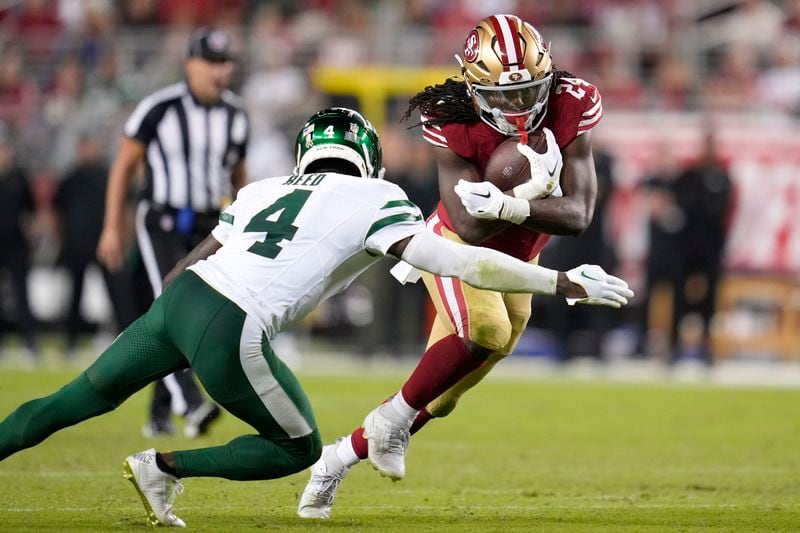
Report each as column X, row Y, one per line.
column 192, row 137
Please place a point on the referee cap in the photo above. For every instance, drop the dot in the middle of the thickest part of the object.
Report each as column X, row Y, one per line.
column 211, row 44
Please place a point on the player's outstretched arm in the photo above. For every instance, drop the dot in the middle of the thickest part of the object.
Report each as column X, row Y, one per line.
column 489, row 269
column 205, row 249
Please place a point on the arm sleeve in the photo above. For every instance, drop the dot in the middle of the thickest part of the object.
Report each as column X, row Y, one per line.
column 397, row 219
column 477, row 266
column 225, row 225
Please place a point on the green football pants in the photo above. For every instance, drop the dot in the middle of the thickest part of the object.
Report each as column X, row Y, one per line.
column 190, row 325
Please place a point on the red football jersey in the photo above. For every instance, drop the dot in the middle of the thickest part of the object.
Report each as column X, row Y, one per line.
column 573, row 109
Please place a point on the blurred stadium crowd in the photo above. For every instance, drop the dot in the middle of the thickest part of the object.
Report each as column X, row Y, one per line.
column 71, row 71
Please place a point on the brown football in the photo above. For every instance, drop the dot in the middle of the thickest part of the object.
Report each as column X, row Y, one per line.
column 506, row 167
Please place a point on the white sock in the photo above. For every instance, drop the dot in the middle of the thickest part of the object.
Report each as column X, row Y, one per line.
column 346, row 453
column 401, row 406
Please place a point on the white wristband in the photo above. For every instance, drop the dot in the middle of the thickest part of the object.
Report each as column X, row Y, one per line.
column 515, row 210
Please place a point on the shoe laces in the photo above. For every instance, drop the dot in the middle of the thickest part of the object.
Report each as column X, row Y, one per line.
column 327, row 484
column 397, row 439
column 175, row 490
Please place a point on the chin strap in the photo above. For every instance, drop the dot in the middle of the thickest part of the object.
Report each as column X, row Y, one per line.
column 523, row 133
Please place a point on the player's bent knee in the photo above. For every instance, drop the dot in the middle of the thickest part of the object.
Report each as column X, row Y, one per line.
column 307, row 450
column 489, row 331
column 279, row 458
column 315, row 451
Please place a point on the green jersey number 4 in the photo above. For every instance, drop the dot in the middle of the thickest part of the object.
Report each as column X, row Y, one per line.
column 279, row 229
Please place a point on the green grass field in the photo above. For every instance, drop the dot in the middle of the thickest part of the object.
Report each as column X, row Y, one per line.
column 516, row 456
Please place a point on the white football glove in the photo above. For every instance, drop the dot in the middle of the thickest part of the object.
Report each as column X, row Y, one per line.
column 601, row 288
column 481, row 199
column 545, row 170
column 484, row 200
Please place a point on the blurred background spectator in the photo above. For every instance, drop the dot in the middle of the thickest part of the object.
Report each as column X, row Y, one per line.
column 703, row 194
column 578, row 331
column 16, row 204
column 664, row 262
column 670, row 72
column 80, row 203
column 689, row 215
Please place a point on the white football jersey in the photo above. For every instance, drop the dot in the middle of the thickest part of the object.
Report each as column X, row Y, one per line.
column 289, row 243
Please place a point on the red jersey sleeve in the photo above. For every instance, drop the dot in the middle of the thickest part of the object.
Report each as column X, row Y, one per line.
column 473, row 141
column 592, row 109
column 433, row 134
column 575, row 108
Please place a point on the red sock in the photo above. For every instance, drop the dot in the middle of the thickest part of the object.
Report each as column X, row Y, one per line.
column 359, row 443
column 422, row 418
column 442, row 366
column 358, row 440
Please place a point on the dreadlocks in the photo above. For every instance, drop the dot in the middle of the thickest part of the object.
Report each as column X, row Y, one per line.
column 449, row 102
column 443, row 103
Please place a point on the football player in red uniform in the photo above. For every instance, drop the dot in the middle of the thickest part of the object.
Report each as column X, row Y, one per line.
column 509, row 87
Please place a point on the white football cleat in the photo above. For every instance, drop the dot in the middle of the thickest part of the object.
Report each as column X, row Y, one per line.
column 326, row 475
column 157, row 489
column 388, row 435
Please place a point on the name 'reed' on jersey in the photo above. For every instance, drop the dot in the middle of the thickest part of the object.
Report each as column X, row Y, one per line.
column 291, row 242
column 574, row 108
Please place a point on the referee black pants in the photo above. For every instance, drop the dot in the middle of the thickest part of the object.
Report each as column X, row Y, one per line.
column 161, row 246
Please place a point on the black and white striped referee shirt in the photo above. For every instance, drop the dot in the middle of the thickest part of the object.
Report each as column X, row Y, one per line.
column 191, row 148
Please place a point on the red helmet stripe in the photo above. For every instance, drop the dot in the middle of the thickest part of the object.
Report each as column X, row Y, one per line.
column 513, row 37
column 508, row 41
column 501, row 41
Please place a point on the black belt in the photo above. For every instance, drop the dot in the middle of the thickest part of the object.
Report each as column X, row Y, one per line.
column 168, row 209
column 184, row 221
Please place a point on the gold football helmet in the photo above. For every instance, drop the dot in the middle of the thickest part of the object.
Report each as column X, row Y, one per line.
column 508, row 71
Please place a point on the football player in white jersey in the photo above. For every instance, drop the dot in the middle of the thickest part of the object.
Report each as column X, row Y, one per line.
column 281, row 248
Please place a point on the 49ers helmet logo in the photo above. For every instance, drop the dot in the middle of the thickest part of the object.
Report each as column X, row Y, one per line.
column 471, row 47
